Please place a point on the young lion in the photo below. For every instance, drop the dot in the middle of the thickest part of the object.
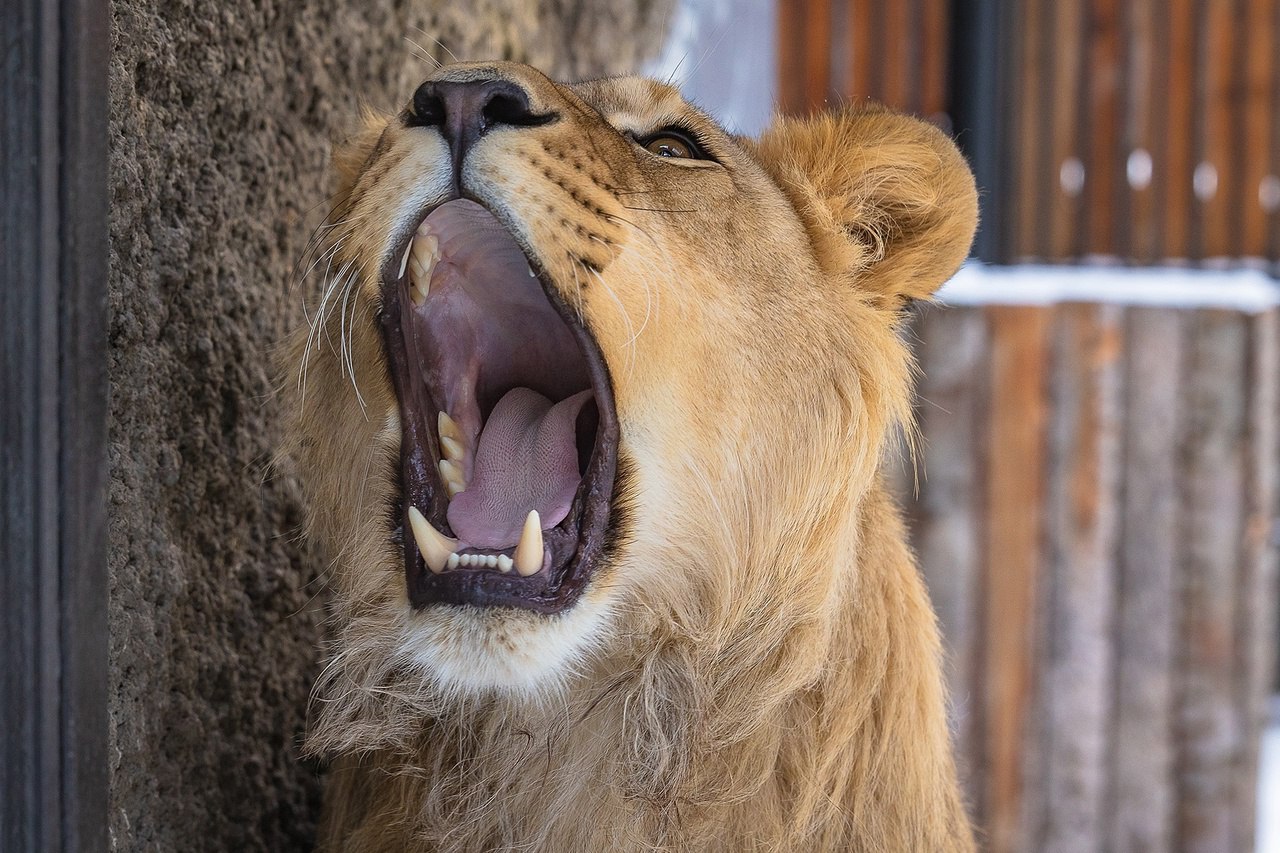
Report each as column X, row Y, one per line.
column 591, row 417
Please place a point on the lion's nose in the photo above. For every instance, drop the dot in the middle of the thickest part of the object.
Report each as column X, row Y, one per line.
column 465, row 110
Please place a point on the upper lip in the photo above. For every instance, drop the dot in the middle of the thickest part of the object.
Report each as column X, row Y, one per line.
column 424, row 353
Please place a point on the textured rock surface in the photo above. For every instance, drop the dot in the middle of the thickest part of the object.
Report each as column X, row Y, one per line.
column 221, row 120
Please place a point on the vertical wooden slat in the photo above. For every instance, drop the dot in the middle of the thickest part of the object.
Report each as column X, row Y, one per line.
column 1255, row 618
column 790, row 50
column 1212, row 479
column 1065, row 141
column 933, row 58
column 817, row 54
column 1141, row 791
column 1261, row 80
column 1103, row 163
column 947, row 521
column 1077, row 583
column 1014, row 439
column 1273, row 171
column 1033, row 157
column 895, row 76
column 1144, row 106
column 1178, row 163
column 1215, row 204
column 862, row 36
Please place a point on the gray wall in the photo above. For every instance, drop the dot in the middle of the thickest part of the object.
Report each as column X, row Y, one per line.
column 221, row 119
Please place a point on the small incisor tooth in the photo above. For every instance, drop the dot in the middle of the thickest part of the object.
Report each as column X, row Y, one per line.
column 452, row 448
column 451, row 472
column 448, row 427
column 435, row 547
column 505, row 563
column 528, row 557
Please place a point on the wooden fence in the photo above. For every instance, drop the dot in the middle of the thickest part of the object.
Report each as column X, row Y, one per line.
column 1135, row 129
column 1096, row 516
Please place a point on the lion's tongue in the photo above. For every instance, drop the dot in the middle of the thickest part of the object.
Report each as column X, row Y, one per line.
column 527, row 458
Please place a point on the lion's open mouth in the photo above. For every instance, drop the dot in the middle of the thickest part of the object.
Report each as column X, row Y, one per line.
column 509, row 433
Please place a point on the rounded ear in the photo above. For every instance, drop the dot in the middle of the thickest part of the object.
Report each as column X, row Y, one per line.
column 884, row 196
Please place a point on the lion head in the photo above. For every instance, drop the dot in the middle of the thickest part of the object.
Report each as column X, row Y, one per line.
column 594, row 397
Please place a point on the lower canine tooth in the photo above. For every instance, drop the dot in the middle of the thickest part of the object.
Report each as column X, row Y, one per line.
column 528, row 559
column 435, row 547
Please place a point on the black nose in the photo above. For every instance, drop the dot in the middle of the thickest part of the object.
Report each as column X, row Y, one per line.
column 465, row 111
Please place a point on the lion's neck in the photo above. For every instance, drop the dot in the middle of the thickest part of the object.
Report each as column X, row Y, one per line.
column 695, row 746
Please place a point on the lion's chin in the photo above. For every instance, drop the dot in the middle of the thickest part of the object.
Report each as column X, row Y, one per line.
column 468, row 652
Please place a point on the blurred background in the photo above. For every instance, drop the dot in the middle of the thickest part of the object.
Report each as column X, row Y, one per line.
column 1094, row 500
column 1094, row 497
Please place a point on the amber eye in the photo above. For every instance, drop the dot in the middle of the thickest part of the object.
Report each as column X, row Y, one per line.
column 670, row 143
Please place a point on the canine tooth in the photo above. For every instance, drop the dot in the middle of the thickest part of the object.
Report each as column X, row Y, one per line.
column 452, row 448
column 454, row 559
column 504, row 563
column 435, row 547
column 451, row 472
column 528, row 559
column 404, row 262
column 448, row 427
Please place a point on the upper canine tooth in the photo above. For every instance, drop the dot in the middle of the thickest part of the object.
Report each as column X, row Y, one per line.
column 528, row 557
column 435, row 547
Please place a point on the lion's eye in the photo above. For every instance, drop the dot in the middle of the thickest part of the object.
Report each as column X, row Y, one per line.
column 672, row 143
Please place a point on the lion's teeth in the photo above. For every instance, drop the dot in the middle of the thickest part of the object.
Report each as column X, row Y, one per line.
column 491, row 561
column 435, row 547
column 505, row 563
column 528, row 558
column 425, row 251
column 452, row 448
column 451, row 472
column 448, row 427
column 454, row 559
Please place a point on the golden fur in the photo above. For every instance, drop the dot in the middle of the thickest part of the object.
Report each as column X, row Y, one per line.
column 757, row 668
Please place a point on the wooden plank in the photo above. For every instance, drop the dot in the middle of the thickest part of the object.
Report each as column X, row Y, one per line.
column 1178, row 78
column 817, row 54
column 1261, row 94
column 1255, row 617
column 1014, row 447
column 947, row 521
column 1145, row 96
column 1215, row 178
column 1077, row 584
column 790, row 49
column 1141, row 792
column 1065, row 140
column 1272, row 193
column 896, row 74
column 933, row 59
column 1031, row 186
column 862, row 60
column 1104, row 163
column 1212, row 479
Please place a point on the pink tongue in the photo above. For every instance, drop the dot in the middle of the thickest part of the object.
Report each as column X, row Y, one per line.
column 527, row 458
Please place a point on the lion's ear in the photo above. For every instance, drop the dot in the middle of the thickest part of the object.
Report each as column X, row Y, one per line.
column 883, row 195
column 350, row 155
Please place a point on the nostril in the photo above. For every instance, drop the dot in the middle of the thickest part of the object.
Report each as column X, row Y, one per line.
column 428, row 107
column 505, row 108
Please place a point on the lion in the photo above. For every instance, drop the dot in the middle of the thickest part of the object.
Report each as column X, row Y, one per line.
column 591, row 416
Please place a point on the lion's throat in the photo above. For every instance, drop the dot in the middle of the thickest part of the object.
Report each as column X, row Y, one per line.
column 526, row 459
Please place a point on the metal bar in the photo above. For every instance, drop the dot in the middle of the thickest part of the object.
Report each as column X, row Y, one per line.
column 53, row 588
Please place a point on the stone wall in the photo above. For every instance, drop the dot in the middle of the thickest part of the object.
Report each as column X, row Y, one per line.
column 222, row 117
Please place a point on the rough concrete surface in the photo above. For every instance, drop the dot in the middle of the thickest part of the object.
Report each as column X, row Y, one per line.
column 222, row 117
